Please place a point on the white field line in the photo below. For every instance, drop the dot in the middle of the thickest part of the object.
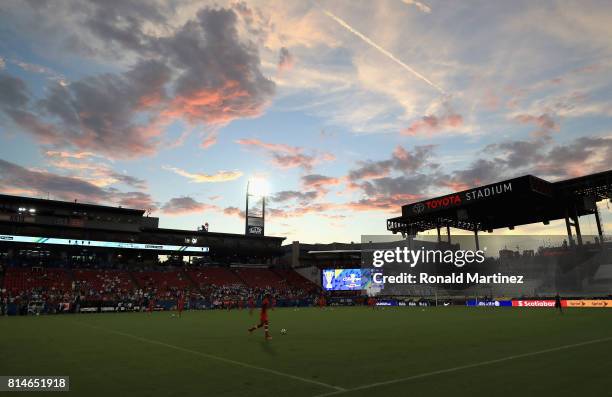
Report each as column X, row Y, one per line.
column 213, row 357
column 467, row 366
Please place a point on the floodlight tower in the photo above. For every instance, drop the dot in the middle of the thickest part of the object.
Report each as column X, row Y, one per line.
column 257, row 190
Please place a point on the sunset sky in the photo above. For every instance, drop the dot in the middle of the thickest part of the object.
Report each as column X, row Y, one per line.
column 348, row 109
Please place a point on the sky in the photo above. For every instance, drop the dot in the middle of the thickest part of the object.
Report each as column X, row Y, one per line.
column 348, row 109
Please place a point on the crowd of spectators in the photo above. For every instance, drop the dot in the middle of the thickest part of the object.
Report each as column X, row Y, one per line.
column 55, row 290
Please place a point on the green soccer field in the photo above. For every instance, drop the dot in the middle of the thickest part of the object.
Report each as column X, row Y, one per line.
column 344, row 351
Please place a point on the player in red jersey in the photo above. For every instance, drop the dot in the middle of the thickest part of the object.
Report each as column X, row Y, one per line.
column 151, row 305
column 181, row 304
column 322, row 302
column 263, row 318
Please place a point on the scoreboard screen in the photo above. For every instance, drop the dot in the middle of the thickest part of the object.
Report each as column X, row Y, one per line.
column 346, row 279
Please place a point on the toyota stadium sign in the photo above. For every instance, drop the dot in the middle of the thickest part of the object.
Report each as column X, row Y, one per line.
column 478, row 194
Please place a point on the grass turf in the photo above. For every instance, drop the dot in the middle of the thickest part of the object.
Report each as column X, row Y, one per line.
column 201, row 354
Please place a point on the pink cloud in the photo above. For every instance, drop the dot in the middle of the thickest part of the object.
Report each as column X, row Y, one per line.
column 545, row 123
column 186, row 205
column 286, row 156
column 285, row 60
column 432, row 124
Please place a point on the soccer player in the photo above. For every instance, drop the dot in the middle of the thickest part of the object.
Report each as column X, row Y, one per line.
column 181, row 304
column 151, row 304
column 322, row 302
column 263, row 318
column 558, row 303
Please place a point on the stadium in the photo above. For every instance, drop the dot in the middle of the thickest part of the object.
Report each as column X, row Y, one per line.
column 305, row 198
column 92, row 289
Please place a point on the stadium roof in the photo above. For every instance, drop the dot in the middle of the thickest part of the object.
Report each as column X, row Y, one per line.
column 209, row 234
column 68, row 205
column 519, row 201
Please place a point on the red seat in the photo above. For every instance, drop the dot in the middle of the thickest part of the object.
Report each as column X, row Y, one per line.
column 214, row 276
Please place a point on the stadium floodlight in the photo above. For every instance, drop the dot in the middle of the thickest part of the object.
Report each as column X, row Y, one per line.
column 259, row 187
column 257, row 190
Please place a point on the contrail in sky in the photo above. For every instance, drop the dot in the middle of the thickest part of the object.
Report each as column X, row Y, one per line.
column 421, row 6
column 389, row 55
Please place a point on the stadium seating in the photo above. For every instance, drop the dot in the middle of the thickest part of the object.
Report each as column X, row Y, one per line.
column 261, row 278
column 212, row 283
column 103, row 281
column 25, row 279
column 295, row 280
column 162, row 281
column 214, row 276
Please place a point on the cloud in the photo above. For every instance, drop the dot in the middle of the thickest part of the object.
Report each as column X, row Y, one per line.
column 224, row 81
column 185, row 205
column 383, row 51
column 13, row 93
column 138, row 200
column 234, row 211
column 39, row 183
column 96, row 113
column 293, row 160
column 385, row 203
column 286, row 156
column 273, row 147
column 402, row 160
column 70, row 155
column 580, row 156
column 412, row 185
column 128, row 180
column 14, row 177
column 432, row 124
column 545, row 123
column 288, row 195
column 90, row 167
column 314, row 187
column 209, row 140
column 318, row 181
column 479, row 172
column 382, row 190
column 285, row 59
column 219, row 176
column 539, row 157
column 201, row 72
column 39, row 69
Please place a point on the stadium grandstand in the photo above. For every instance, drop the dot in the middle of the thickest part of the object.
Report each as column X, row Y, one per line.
column 60, row 256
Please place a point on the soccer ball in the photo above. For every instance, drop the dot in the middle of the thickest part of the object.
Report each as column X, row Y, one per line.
column 283, row 331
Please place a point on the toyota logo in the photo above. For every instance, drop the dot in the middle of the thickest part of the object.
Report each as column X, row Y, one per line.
column 419, row 208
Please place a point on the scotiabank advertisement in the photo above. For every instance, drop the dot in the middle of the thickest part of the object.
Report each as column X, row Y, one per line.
column 578, row 303
column 534, row 303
